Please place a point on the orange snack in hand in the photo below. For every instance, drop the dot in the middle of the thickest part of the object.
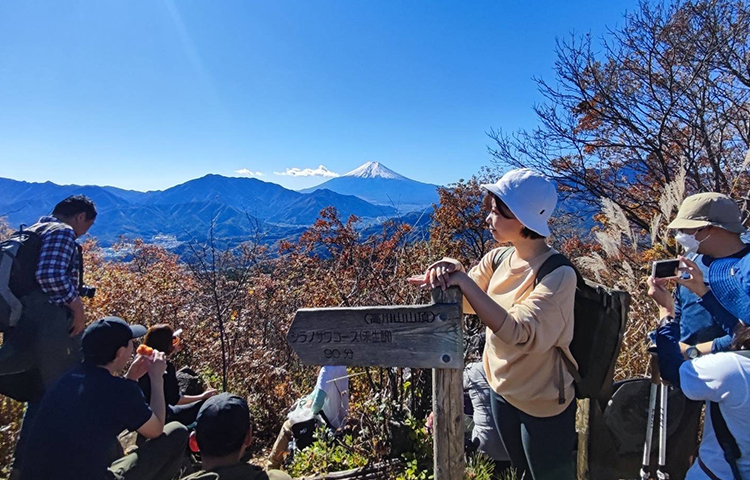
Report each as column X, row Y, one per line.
column 144, row 350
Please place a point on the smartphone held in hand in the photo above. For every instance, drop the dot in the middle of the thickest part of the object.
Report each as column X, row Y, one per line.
column 665, row 268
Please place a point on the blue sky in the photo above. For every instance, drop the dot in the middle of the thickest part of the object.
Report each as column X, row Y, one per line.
column 146, row 94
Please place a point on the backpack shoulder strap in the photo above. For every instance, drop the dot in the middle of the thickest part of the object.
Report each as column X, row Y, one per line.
column 725, row 438
column 554, row 262
column 328, row 423
column 500, row 255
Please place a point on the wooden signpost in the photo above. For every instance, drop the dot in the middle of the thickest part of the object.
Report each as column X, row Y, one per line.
column 417, row 336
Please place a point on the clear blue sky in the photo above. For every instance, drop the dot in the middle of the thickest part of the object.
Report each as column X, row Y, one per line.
column 146, row 94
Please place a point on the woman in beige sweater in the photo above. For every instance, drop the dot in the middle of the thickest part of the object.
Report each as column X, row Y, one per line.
column 529, row 327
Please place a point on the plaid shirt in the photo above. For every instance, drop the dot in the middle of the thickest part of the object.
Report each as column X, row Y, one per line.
column 58, row 267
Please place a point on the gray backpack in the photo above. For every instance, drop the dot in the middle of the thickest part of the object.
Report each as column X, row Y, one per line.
column 19, row 256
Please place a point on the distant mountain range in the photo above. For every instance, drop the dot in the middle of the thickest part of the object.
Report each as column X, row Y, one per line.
column 238, row 205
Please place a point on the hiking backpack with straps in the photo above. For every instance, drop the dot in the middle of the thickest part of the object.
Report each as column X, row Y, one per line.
column 19, row 256
column 600, row 314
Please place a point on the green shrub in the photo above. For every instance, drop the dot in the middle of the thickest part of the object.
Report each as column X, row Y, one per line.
column 419, row 461
column 479, row 467
column 327, row 454
column 414, row 472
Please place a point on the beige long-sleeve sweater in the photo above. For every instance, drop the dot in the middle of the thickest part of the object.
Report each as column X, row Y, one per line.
column 521, row 359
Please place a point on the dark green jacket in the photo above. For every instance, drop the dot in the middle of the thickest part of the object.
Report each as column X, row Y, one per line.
column 242, row 471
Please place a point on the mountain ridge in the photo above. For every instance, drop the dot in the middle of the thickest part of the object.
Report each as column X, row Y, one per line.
column 235, row 205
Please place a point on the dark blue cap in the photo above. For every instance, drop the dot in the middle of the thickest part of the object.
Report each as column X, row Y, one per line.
column 104, row 337
column 222, row 424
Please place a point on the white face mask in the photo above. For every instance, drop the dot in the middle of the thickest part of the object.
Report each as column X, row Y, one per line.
column 689, row 242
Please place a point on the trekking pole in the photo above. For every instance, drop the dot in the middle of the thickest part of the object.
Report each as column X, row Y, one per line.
column 645, row 474
column 661, row 472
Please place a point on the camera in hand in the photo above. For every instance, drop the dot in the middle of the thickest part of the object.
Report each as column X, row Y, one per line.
column 665, row 268
column 86, row 291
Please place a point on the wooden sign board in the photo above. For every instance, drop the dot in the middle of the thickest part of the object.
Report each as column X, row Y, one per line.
column 423, row 336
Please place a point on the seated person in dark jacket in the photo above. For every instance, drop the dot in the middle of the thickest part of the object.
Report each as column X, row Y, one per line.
column 74, row 435
column 180, row 408
column 222, row 433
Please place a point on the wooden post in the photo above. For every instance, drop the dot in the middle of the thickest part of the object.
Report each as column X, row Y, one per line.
column 583, row 427
column 447, row 405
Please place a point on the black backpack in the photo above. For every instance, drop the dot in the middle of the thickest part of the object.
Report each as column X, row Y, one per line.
column 19, row 256
column 304, row 433
column 600, row 315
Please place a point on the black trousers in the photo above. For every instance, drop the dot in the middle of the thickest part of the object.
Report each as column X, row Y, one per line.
column 185, row 414
column 540, row 448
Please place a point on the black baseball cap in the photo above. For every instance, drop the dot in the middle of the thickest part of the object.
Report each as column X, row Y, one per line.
column 222, row 424
column 104, row 337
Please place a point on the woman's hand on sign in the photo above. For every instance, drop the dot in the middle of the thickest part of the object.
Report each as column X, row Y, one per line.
column 694, row 282
column 456, row 266
column 441, row 274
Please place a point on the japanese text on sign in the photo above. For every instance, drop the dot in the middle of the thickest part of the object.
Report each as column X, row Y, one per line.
column 327, row 336
column 399, row 317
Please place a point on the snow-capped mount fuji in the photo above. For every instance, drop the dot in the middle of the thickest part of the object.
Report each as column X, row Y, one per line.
column 374, row 170
column 378, row 184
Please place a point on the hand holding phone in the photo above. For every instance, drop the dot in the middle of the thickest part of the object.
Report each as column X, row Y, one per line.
column 691, row 277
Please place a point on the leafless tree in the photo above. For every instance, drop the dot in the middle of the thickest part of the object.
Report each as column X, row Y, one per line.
column 224, row 273
column 666, row 91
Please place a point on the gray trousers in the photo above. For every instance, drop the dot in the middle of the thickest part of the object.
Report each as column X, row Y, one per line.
column 157, row 459
column 41, row 341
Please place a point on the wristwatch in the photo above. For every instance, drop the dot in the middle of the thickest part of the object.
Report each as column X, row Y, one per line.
column 665, row 320
column 692, row 352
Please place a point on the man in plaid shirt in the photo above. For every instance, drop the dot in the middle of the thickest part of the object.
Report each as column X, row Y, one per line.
column 53, row 317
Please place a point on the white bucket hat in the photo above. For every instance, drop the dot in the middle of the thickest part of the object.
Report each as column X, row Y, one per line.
column 529, row 195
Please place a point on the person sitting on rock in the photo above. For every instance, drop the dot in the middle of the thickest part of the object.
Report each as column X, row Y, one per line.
column 329, row 399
